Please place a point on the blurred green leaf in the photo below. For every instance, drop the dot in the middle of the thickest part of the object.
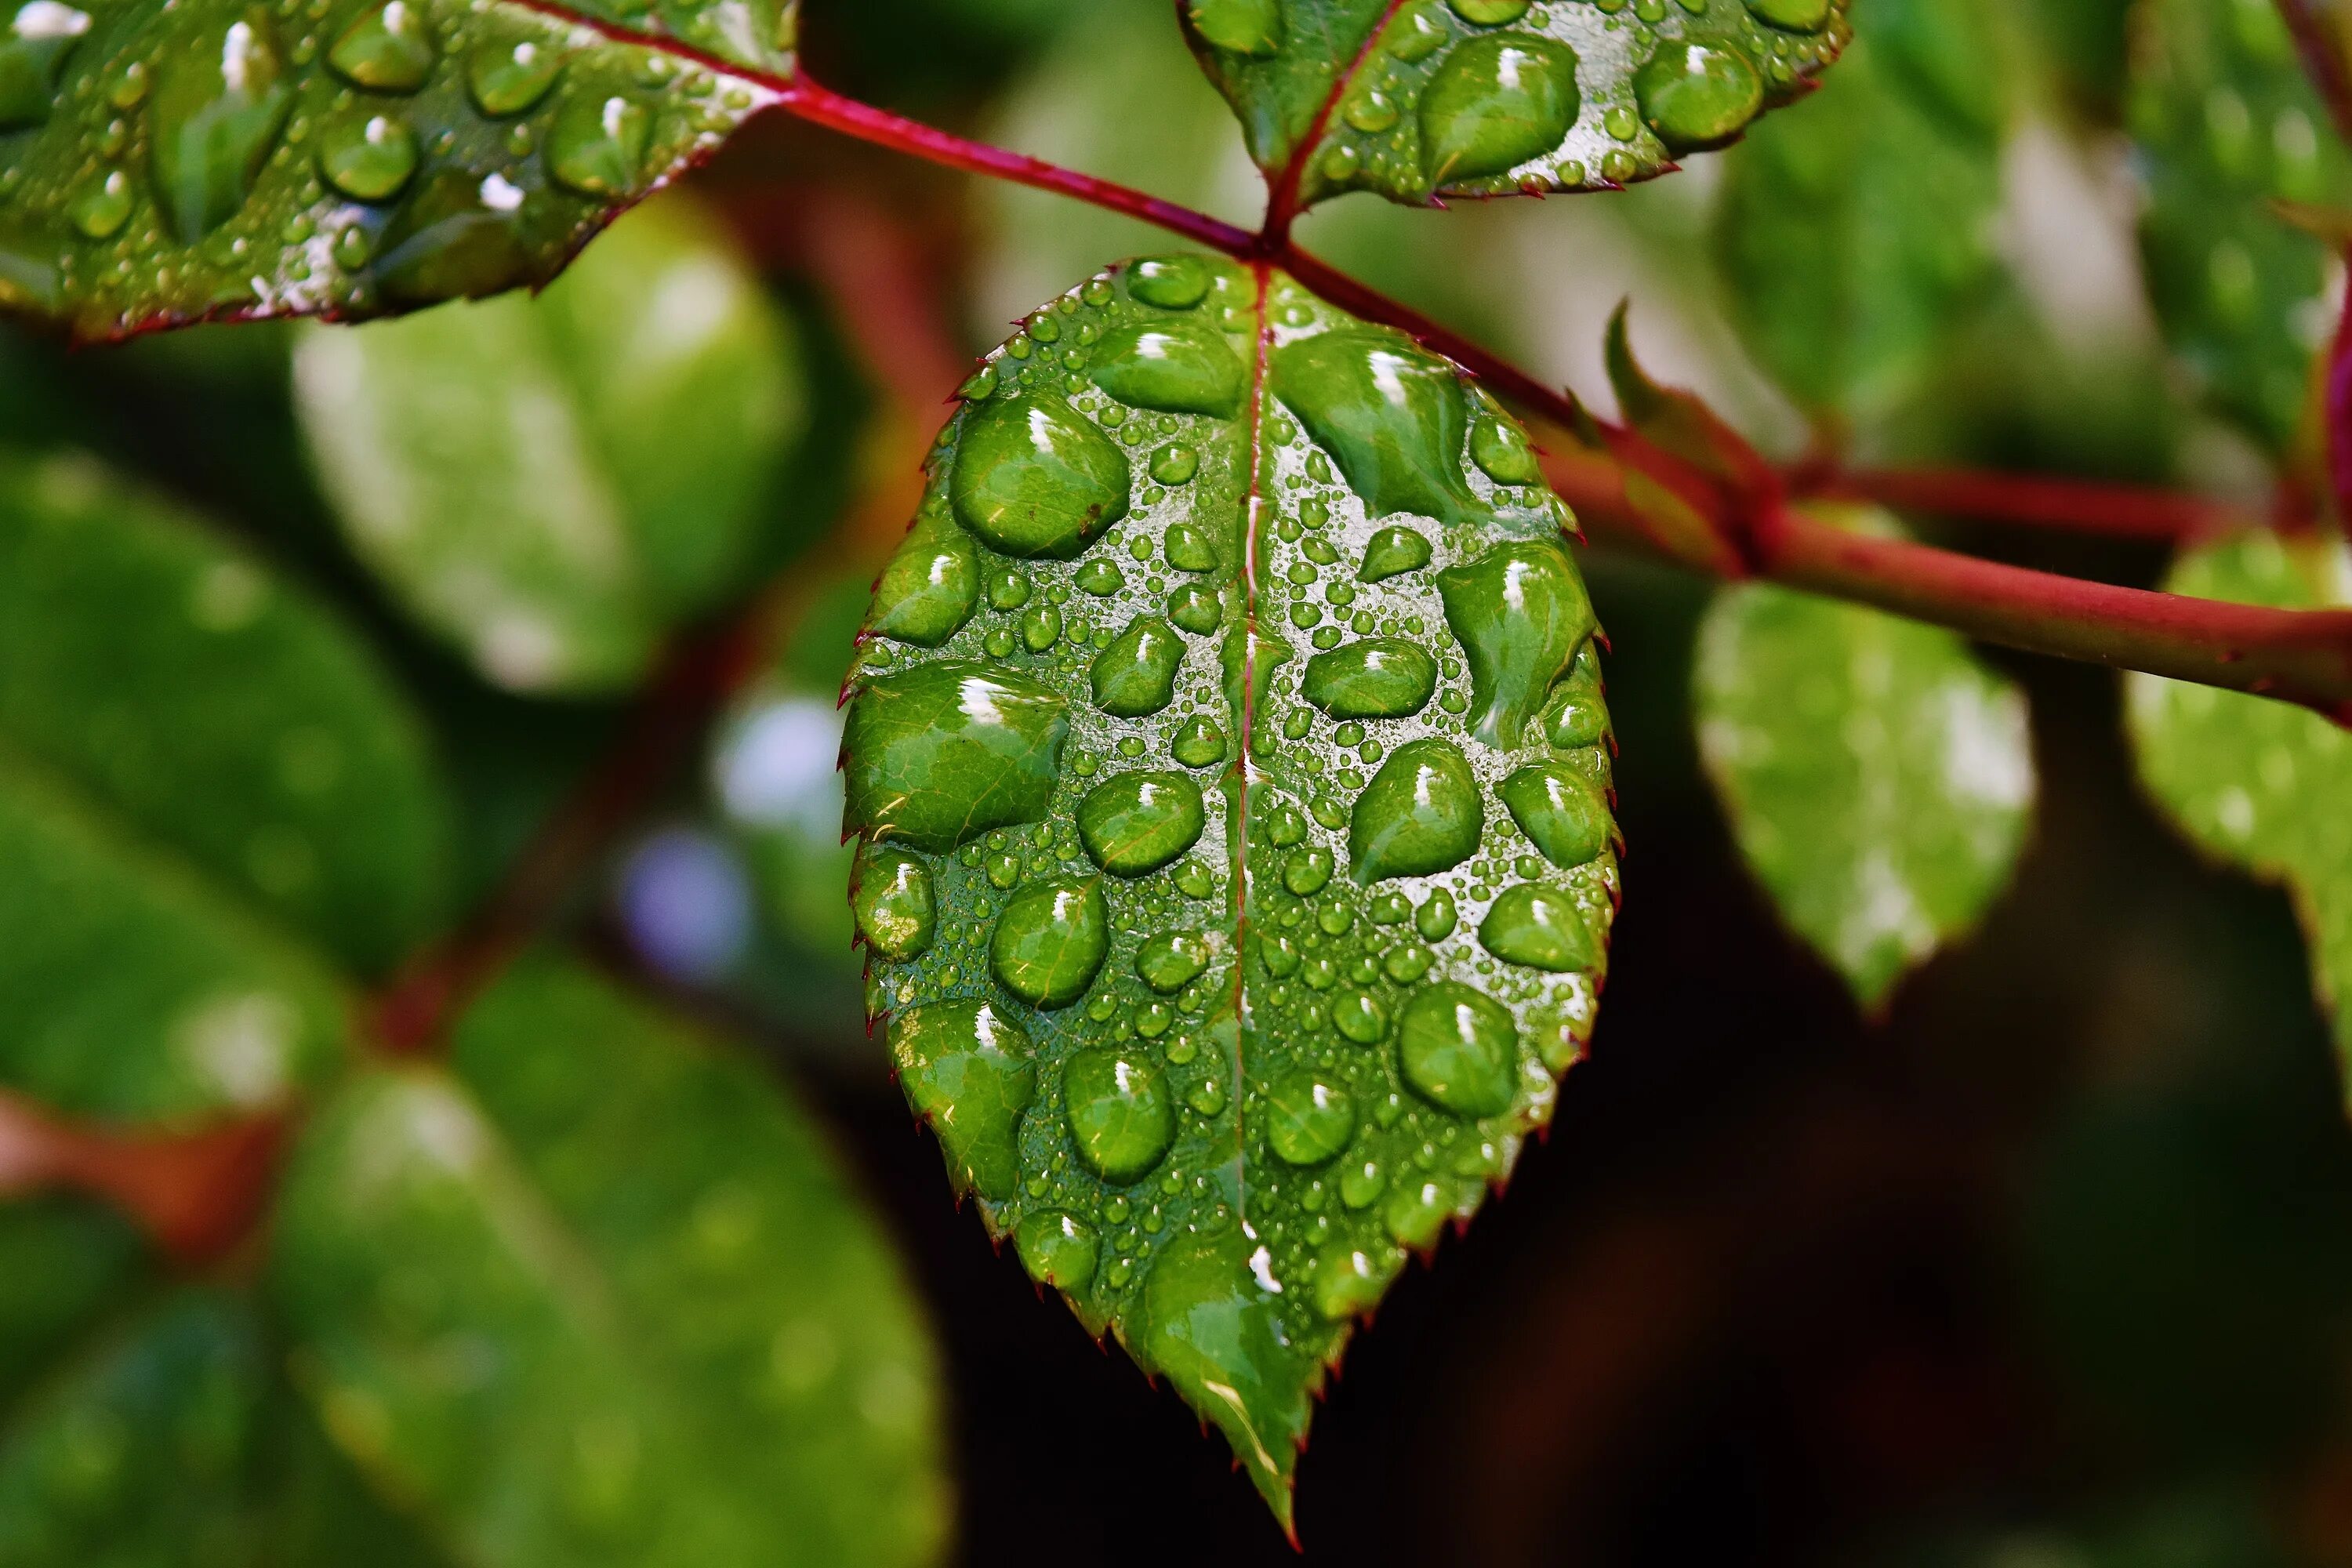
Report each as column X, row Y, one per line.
column 1432, row 99
column 217, row 710
column 550, row 484
column 2257, row 783
column 1878, row 778
column 600, row 1295
column 1853, row 234
column 64, row 1263
column 2226, row 123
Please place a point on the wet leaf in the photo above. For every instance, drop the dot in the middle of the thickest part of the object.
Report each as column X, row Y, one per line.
column 1431, row 98
column 2227, row 124
column 552, row 483
column 1218, row 1042
column 1878, row 778
column 2256, row 784
column 162, row 163
column 693, row 1346
column 1853, row 236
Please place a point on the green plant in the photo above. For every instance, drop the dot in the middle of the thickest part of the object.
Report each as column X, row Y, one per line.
column 1226, row 743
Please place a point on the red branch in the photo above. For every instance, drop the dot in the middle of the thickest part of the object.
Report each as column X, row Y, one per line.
column 195, row 1193
column 2122, row 511
column 2322, row 60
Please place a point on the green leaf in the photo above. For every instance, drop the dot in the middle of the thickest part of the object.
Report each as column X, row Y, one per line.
column 602, row 1296
column 1192, row 514
column 63, row 1262
column 552, row 483
column 182, row 688
column 1437, row 98
column 2257, row 783
column 1853, row 236
column 1878, row 778
column 162, row 163
column 2226, row 123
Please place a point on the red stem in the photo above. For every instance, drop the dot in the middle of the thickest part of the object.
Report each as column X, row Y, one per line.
column 2322, row 60
column 2124, row 512
column 2338, row 411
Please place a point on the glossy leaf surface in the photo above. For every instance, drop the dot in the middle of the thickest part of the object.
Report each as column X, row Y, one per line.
column 550, row 483
column 694, row 1346
column 1851, row 234
column 1878, row 777
column 2257, row 783
column 1229, row 752
column 2227, row 125
column 169, row 161
column 1431, row 98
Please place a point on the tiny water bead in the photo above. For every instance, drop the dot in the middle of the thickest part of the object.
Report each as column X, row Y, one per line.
column 1348, row 1282
column 1200, row 743
column 893, row 903
column 1051, row 941
column 103, row 207
column 1033, row 478
column 1359, row 1018
column 1121, row 1116
column 389, row 49
column 597, row 146
column 508, row 76
column 1175, row 464
column 969, row 1071
column 1494, row 103
column 368, row 159
column 1696, row 96
column 1187, row 549
column 1136, row 823
column 1196, row 608
column 1502, row 453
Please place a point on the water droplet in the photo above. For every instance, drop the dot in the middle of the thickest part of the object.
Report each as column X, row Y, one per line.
column 1099, row 577
column 1175, row 464
column 33, row 51
column 967, row 1069
column 1200, row 743
column 1058, row 1249
column 1391, row 416
column 1050, row 941
column 1421, row 814
column 1306, row 871
column 1041, row 627
column 1581, row 720
column 1171, row 282
column 454, row 235
column 1371, row 112
column 931, row 585
column 1195, row 607
column 1415, row 34
column 506, row 76
column 1561, row 813
column 893, row 902
column 1539, row 927
column 1374, row 677
column 943, row 752
column 1697, row 96
column 1172, row 961
column 1501, row 451
column 1417, row 1211
column 368, row 159
column 1493, row 104
column 1489, row 13
column 103, row 207
column 1136, row 823
column 1458, row 1048
column 1361, row 1183
column 1033, row 478
column 1188, row 549
column 1309, row 1118
column 1121, row 1116
column 1172, row 366
column 220, row 105
column 1358, row 1016
column 1251, row 28
column 1391, row 553
column 1347, row 1281
column 1792, row 16
column 1520, row 614
column 1436, row 917
column 1137, row 674
column 388, row 49
column 597, row 146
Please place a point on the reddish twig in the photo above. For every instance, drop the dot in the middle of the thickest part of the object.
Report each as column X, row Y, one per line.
column 195, row 1193
column 2338, row 411
column 2123, row 511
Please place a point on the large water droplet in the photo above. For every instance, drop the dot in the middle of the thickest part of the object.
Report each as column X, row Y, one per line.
column 1208, row 1325
column 1200, row 743
column 1035, row 478
column 1188, row 550
column 1139, row 822
column 1058, row 1249
column 1420, row 814
column 1050, row 941
column 367, row 158
column 1493, row 104
column 1310, row 1118
column 1561, row 811
column 388, row 49
column 968, row 1070
column 1121, row 1114
column 931, row 585
column 1697, row 96
column 1172, row 961
column 1579, row 718
column 943, row 752
column 456, row 235
column 33, row 51
column 1539, row 927
column 1347, row 1281
column 1375, row 678
column 1251, row 28
column 1792, row 16
column 103, row 207
column 1417, row 1211
column 1520, row 612
column 893, row 902
column 1196, row 607
column 1391, row 416
column 597, row 145
column 1171, row 282
column 1458, row 1048
column 1174, row 366
column 1137, row 674
column 1501, row 451
column 506, row 76
column 220, row 103
column 1358, row 1016
column 1489, row 13
column 1391, row 553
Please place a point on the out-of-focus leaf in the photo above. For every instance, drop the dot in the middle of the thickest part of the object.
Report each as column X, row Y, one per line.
column 2258, row 783
column 602, row 1296
column 1437, row 98
column 2201, row 1526
column 182, row 688
column 1160, row 1006
column 1878, row 778
column 63, row 1263
column 2227, row 122
column 165, row 162
column 551, row 483
column 1853, row 234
